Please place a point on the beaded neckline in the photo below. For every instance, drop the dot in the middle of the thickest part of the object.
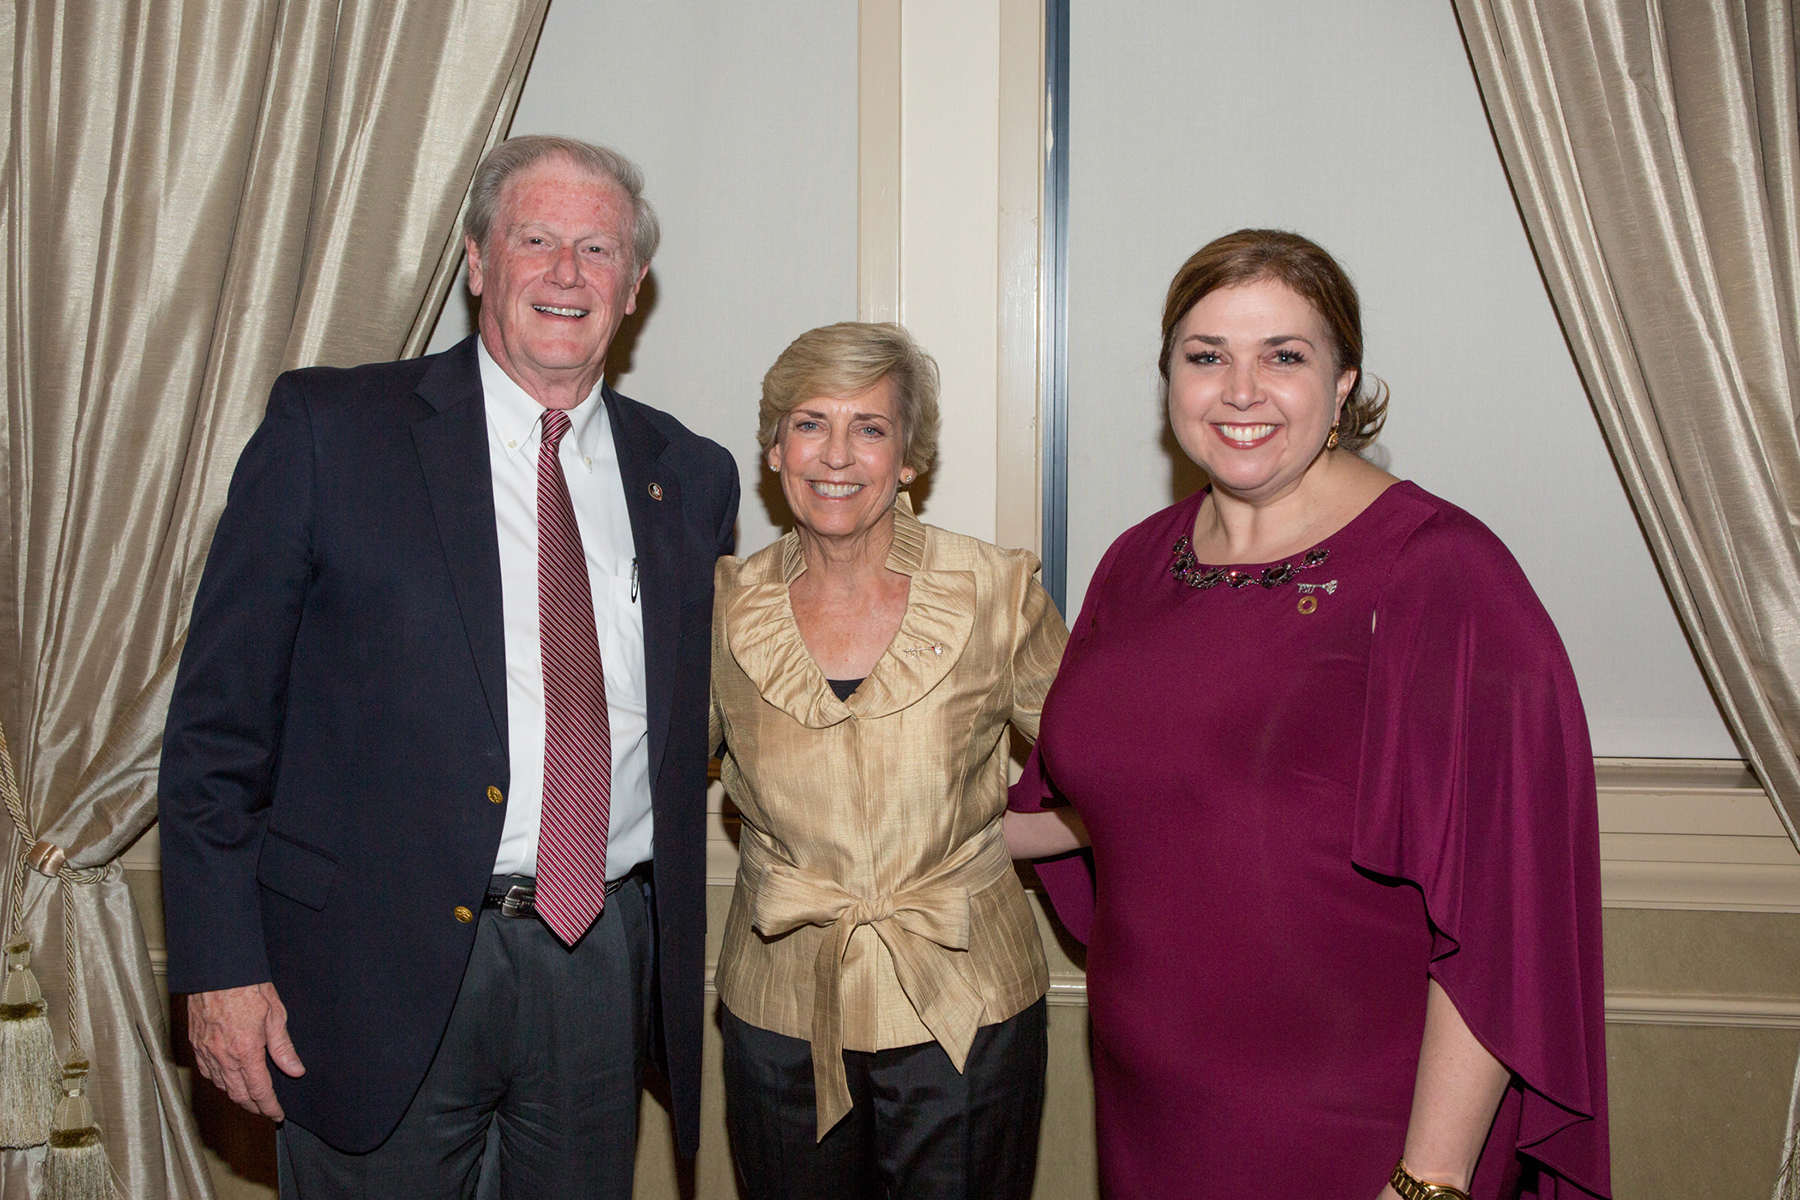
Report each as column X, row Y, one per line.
column 1190, row 571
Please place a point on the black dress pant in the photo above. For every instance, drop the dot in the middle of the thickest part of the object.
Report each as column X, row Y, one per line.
column 918, row 1129
column 534, row 1089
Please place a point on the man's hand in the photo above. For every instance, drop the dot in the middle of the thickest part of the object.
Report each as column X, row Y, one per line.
column 234, row 1033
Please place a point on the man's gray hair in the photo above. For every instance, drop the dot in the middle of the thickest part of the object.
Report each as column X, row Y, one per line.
column 515, row 154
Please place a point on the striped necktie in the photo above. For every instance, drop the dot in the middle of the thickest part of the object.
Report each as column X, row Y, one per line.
column 571, row 856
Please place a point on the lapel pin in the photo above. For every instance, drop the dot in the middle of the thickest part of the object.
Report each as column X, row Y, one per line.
column 656, row 491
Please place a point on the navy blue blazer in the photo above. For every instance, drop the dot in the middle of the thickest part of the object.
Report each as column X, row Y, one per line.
column 340, row 714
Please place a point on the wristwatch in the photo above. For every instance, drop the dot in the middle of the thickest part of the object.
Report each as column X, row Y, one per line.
column 1411, row 1187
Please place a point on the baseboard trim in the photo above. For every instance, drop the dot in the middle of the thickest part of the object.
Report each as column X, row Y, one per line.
column 1748, row 1012
column 1622, row 1008
column 1701, row 886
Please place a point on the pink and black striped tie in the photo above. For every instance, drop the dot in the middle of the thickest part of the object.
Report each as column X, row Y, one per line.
column 571, row 857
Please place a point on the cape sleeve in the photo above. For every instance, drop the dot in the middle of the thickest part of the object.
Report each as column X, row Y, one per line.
column 1068, row 879
column 1477, row 785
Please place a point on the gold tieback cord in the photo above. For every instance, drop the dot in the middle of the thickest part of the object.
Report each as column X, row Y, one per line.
column 30, row 1080
column 39, row 1101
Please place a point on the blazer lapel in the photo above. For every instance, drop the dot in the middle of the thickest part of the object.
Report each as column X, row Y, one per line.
column 453, row 451
column 653, row 497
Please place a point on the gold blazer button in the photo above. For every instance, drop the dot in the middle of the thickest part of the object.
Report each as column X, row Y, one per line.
column 494, row 796
column 463, row 914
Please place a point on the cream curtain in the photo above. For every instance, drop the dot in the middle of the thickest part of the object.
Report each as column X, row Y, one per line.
column 1654, row 150
column 195, row 196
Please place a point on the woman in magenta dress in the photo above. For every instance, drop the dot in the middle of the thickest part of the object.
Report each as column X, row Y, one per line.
column 1344, row 920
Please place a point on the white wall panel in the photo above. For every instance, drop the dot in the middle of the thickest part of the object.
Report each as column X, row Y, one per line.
column 1359, row 125
column 949, row 223
column 743, row 117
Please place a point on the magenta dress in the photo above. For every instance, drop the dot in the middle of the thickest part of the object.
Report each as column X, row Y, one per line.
column 1303, row 799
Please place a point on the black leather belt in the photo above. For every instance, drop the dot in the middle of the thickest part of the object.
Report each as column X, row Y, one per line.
column 516, row 895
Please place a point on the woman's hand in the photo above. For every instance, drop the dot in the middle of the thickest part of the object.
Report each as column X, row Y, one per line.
column 1042, row 834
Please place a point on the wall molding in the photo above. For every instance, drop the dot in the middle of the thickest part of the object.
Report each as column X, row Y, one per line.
column 1749, row 1012
column 1696, row 834
column 1622, row 1008
column 1689, row 834
column 1018, row 483
column 1686, row 834
column 878, row 135
column 1681, row 834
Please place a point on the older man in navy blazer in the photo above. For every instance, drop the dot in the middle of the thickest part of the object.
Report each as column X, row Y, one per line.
column 432, row 791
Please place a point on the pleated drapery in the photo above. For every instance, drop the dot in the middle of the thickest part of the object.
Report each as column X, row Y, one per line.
column 1654, row 149
column 196, row 195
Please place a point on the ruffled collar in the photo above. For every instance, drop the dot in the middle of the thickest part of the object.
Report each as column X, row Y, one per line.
column 765, row 639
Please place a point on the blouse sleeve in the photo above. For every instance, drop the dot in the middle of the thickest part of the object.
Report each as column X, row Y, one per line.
column 1036, row 652
column 1477, row 785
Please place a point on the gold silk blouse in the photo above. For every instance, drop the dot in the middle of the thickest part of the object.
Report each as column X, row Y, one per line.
column 875, row 904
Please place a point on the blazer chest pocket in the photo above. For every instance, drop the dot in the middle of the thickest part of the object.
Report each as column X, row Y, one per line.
column 299, row 872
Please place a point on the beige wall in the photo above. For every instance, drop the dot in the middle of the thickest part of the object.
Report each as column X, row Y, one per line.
column 808, row 170
column 1699, row 1080
column 1702, row 981
column 743, row 117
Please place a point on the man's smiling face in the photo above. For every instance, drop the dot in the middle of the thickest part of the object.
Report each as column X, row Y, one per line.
column 555, row 278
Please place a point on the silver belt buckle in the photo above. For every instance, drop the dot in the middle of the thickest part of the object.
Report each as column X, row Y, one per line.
column 517, row 900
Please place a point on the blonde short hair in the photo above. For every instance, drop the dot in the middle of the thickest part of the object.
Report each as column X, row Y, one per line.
column 850, row 358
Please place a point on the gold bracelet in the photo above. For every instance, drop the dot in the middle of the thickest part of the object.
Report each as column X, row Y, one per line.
column 1411, row 1187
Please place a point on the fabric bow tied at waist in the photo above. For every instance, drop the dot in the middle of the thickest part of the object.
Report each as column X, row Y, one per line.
column 924, row 924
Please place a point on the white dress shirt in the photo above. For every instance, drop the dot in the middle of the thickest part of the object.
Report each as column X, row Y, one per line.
column 590, row 465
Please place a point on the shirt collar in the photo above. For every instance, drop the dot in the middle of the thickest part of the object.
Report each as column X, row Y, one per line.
column 518, row 419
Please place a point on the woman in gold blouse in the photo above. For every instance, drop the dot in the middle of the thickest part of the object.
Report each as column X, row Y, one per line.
column 881, row 975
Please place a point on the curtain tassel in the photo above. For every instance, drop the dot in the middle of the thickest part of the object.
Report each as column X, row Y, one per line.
column 75, row 1168
column 28, row 1071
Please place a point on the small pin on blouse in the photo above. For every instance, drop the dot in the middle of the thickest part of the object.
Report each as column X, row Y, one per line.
column 656, row 491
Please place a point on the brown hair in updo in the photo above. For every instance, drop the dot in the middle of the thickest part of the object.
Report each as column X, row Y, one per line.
column 1304, row 267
